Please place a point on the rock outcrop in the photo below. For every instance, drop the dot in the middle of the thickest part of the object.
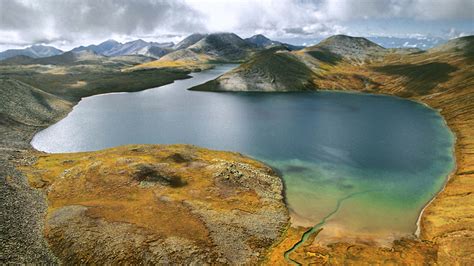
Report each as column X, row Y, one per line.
column 152, row 204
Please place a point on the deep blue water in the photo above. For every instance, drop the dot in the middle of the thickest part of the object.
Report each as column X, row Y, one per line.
column 326, row 144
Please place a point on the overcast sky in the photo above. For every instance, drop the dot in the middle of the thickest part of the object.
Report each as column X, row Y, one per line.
column 68, row 23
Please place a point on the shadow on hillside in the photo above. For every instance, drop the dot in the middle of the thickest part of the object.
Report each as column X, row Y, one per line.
column 421, row 78
column 326, row 56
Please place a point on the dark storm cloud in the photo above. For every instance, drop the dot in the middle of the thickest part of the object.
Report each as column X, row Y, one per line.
column 75, row 19
column 15, row 15
column 72, row 22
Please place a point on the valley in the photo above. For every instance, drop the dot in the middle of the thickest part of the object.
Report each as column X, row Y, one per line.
column 42, row 91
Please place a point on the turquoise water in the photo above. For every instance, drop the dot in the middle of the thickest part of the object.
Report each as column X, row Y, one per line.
column 327, row 146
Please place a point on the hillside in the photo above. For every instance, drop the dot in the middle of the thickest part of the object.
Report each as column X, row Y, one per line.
column 28, row 105
column 33, row 97
column 190, row 40
column 216, row 46
column 342, row 62
column 101, row 48
column 462, row 45
column 351, row 48
column 200, row 51
column 136, row 47
column 35, row 51
column 260, row 41
column 274, row 69
column 83, row 57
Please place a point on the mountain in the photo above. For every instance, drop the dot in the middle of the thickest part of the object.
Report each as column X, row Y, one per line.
column 152, row 51
column 199, row 51
column 261, row 41
column 225, row 47
column 137, row 47
column 141, row 47
column 67, row 58
column 101, row 48
column 273, row 69
column 190, row 40
column 352, row 48
column 35, row 51
column 345, row 62
column 463, row 44
column 126, row 48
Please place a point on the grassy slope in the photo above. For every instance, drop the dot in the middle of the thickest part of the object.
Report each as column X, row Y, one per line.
column 271, row 69
column 75, row 82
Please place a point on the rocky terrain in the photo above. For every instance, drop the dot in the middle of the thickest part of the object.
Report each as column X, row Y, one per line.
column 33, row 97
column 35, row 51
column 159, row 204
column 441, row 78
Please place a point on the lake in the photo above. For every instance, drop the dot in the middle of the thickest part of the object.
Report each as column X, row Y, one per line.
column 386, row 155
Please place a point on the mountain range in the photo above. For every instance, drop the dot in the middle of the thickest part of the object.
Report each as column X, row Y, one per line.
column 345, row 62
column 35, row 51
column 229, row 46
column 137, row 47
column 157, row 50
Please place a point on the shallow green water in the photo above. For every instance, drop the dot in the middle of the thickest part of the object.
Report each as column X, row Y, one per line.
column 327, row 145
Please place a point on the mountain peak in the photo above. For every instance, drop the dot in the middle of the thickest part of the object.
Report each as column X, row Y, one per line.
column 353, row 48
column 261, row 41
column 109, row 42
column 341, row 39
column 259, row 37
column 190, row 40
column 34, row 51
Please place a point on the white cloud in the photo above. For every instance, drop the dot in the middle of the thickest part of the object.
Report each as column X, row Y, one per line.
column 386, row 9
column 55, row 20
column 72, row 22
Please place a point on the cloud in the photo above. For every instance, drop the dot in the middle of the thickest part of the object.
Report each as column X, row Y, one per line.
column 387, row 9
column 319, row 18
column 47, row 20
column 282, row 18
column 71, row 22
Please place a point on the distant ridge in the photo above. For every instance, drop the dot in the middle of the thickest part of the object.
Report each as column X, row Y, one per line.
column 262, row 41
column 345, row 62
column 136, row 47
column 35, row 51
column 190, row 40
column 201, row 48
column 353, row 48
column 462, row 44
